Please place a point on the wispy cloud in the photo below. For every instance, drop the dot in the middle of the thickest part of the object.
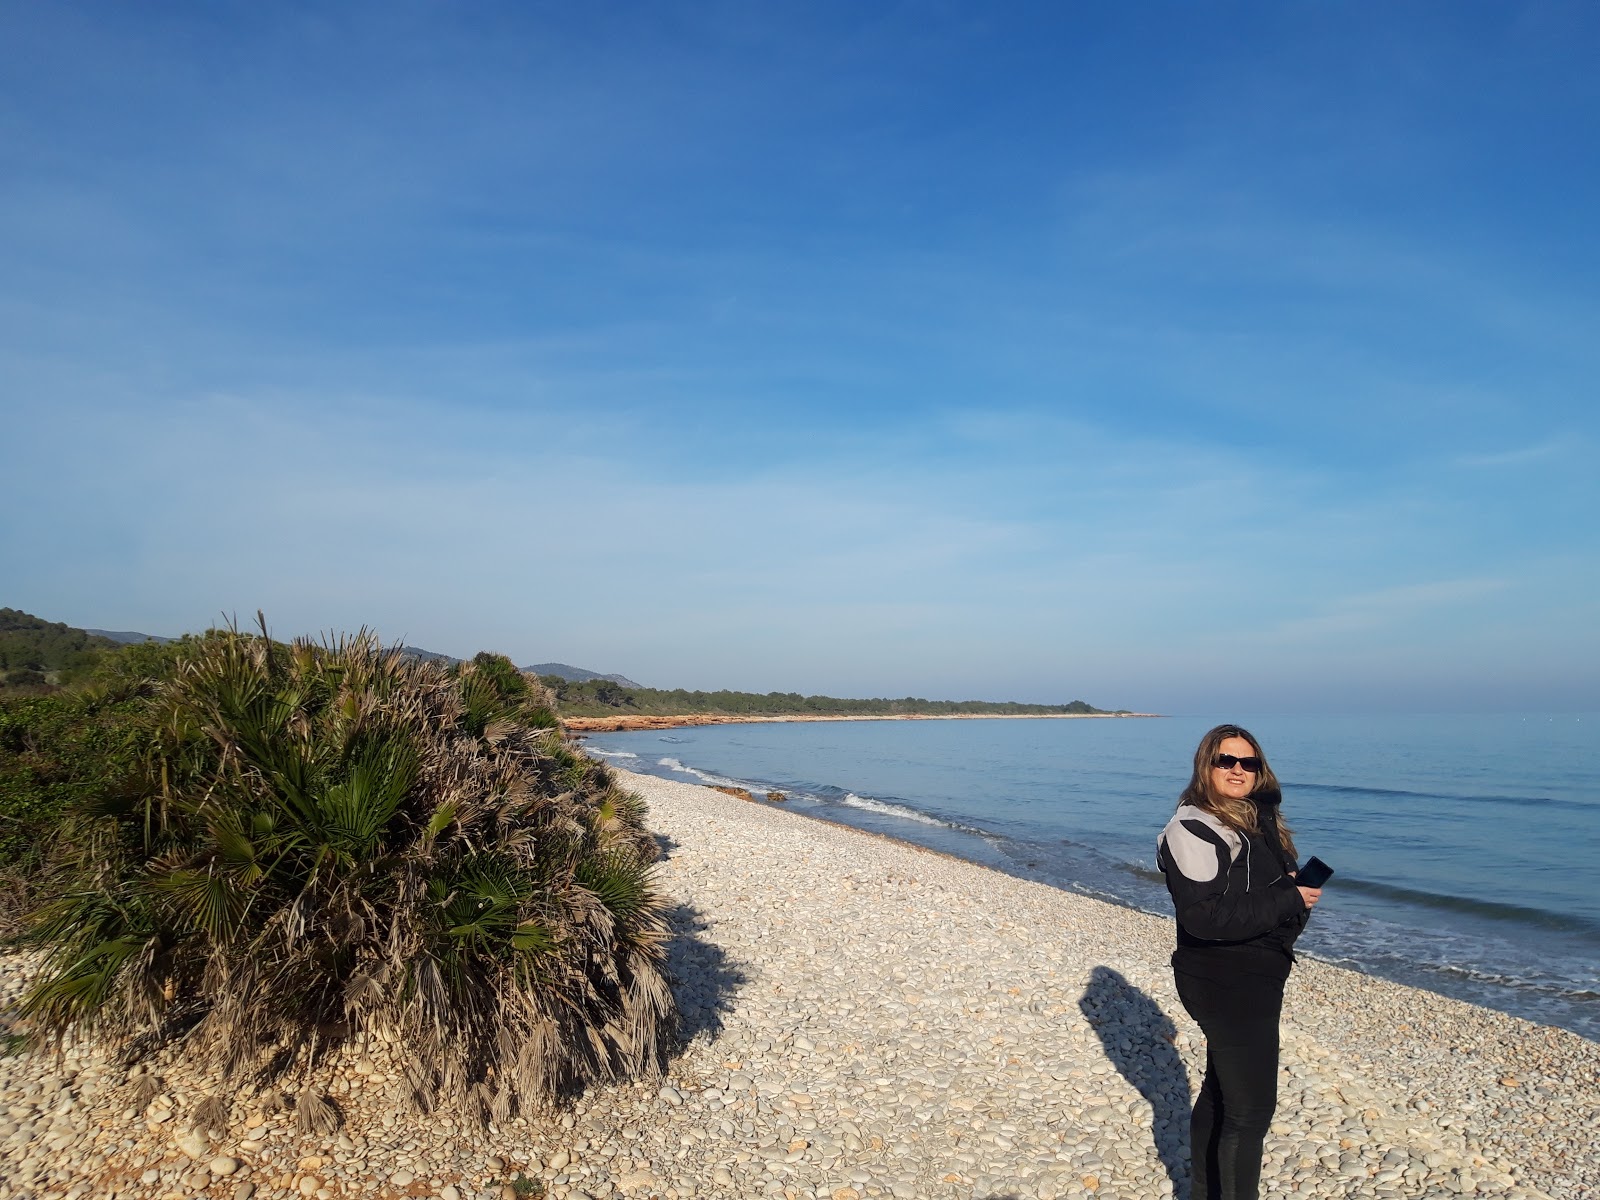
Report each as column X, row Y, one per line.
column 1515, row 457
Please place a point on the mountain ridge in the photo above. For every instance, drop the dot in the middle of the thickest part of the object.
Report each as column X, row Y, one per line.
column 579, row 675
column 558, row 670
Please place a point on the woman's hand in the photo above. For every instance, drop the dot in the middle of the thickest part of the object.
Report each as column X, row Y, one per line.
column 1310, row 896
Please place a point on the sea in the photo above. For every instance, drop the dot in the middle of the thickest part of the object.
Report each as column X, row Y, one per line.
column 1466, row 848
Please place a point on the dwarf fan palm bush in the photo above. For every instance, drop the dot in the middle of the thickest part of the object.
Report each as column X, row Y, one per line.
column 334, row 839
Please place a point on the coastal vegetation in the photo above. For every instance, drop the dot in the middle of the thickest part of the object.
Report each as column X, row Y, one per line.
column 47, row 656
column 269, row 848
column 75, row 720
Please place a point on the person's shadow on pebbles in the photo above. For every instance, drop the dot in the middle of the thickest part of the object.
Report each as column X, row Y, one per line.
column 1138, row 1039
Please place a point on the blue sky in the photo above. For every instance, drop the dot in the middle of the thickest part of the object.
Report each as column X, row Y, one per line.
column 1187, row 357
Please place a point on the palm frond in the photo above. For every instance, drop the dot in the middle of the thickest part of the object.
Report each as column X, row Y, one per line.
column 210, row 901
column 355, row 810
column 211, row 1114
column 619, row 881
column 313, row 1114
column 77, row 991
column 533, row 937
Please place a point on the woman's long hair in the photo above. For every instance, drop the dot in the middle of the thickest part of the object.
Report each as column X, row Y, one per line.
column 1244, row 814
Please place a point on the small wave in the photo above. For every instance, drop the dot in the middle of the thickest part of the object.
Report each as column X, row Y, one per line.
column 1493, row 910
column 673, row 740
column 705, row 777
column 1566, row 991
column 612, row 753
column 1344, row 789
column 1397, row 952
column 893, row 810
column 905, row 812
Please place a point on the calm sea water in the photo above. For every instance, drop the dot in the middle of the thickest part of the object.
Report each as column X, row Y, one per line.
column 1467, row 848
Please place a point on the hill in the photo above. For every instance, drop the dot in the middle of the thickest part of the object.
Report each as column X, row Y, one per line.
column 418, row 652
column 550, row 670
column 125, row 638
column 35, row 653
column 579, row 675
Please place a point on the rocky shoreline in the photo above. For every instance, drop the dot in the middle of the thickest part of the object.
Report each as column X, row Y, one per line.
column 866, row 1019
column 621, row 724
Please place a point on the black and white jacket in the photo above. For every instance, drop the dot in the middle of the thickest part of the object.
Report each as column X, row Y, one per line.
column 1230, row 889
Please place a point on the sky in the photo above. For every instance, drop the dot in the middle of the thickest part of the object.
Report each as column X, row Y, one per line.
column 1196, row 357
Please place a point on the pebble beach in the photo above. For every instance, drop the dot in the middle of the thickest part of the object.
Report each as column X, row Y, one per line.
column 863, row 1018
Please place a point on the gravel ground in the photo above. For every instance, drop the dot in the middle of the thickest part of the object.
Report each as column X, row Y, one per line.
column 864, row 1018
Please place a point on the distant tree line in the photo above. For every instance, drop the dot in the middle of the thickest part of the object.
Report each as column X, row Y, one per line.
column 599, row 697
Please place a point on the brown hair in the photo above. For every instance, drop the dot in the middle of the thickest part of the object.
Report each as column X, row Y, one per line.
column 1242, row 815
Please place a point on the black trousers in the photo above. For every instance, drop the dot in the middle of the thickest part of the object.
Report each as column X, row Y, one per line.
column 1234, row 1108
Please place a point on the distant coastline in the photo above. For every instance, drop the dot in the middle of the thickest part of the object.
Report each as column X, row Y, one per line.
column 624, row 724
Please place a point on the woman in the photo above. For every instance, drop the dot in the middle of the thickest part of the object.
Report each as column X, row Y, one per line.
column 1229, row 861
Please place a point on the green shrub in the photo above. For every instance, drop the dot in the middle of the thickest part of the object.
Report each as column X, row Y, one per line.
column 334, row 839
column 64, row 748
column 56, row 751
column 493, row 687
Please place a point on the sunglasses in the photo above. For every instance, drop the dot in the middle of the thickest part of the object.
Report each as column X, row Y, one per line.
column 1229, row 761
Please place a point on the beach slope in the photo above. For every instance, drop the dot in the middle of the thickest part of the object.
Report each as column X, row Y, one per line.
column 863, row 1018
column 988, row 1036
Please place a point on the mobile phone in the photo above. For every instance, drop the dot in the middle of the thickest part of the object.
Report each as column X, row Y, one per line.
column 1314, row 874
